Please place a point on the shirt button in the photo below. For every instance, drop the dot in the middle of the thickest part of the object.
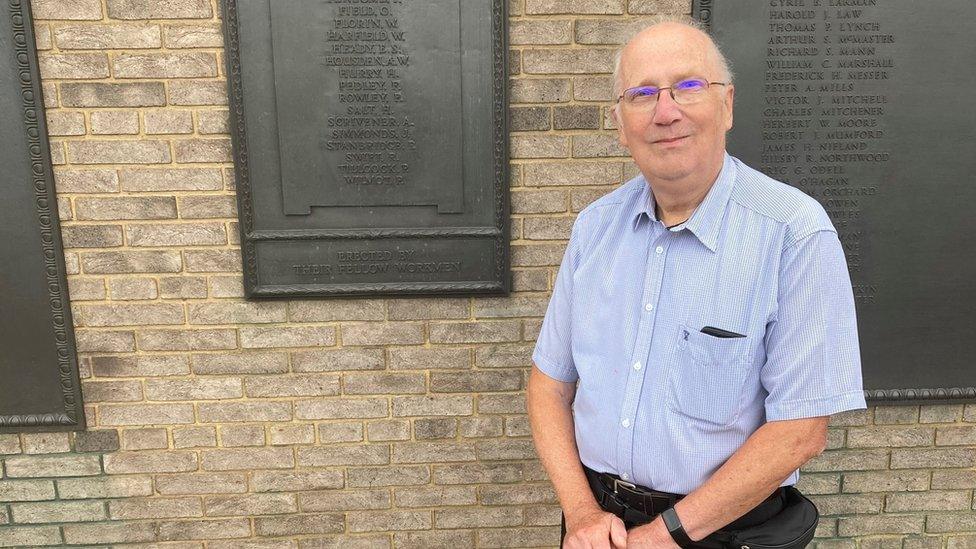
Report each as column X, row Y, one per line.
column 660, row 250
column 623, row 476
column 625, row 422
column 649, row 307
column 637, row 365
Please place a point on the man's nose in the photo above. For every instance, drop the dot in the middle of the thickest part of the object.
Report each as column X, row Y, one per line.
column 666, row 111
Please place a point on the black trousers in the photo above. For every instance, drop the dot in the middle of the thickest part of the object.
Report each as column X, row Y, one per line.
column 761, row 513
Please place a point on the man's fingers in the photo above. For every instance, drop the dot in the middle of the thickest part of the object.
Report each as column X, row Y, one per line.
column 618, row 532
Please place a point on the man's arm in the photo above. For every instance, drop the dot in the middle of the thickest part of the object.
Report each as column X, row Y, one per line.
column 767, row 458
column 549, row 404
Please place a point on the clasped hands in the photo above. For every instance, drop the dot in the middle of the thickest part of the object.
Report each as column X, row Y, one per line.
column 602, row 530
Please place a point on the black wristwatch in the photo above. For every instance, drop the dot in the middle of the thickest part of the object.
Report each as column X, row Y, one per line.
column 677, row 531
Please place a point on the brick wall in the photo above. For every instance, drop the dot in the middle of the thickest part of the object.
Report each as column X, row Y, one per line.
column 347, row 423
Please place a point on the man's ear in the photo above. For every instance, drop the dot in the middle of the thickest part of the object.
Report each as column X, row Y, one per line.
column 729, row 103
column 615, row 114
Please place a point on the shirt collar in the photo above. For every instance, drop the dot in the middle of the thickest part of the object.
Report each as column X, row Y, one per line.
column 706, row 220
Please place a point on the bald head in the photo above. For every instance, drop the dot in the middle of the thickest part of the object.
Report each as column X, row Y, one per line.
column 671, row 34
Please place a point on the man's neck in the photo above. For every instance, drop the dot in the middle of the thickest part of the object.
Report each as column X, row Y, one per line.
column 675, row 200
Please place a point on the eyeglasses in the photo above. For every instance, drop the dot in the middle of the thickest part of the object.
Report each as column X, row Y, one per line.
column 685, row 92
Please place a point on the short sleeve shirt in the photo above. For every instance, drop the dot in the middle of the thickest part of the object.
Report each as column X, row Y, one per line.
column 661, row 402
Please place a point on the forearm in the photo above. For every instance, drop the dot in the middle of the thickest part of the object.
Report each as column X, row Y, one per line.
column 551, row 420
column 761, row 464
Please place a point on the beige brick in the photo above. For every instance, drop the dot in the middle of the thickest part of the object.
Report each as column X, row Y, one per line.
column 182, row 234
column 895, row 415
column 344, row 501
column 424, row 452
column 242, row 459
column 292, row 385
column 670, row 7
column 145, row 414
column 422, row 358
column 389, row 333
column 940, row 413
column 581, row 198
column 530, row 280
column 885, row 437
column 956, row 436
column 504, row 356
column 331, row 360
column 386, row 430
column 207, row 207
column 211, row 261
column 374, row 477
column 180, row 179
column 193, row 36
column 328, row 311
column 57, row 511
column 109, row 532
column 432, row 405
column 159, row 9
column 9, row 444
column 335, row 455
column 341, row 408
column 203, row 150
column 213, row 122
column 928, row 501
column 26, row 490
column 103, row 37
column 593, row 88
column 477, row 518
column 116, row 208
column 598, row 146
column 210, row 412
column 938, row 523
column 164, row 65
column 156, row 507
column 101, row 94
column 46, row 443
column 105, row 487
column 188, row 340
column 547, row 174
column 953, row 479
column 514, row 306
column 242, row 435
column 575, row 7
column 14, row 536
column 91, row 236
column 505, row 449
column 198, row 92
column 482, row 331
column 236, row 313
column 182, row 287
column 568, row 61
column 287, row 336
column 194, row 437
column 73, row 65
column 204, row 529
column 194, row 389
column 377, row 521
column 131, row 262
column 99, row 440
column 169, row 122
column 140, row 366
column 538, row 202
column 123, row 289
column 86, row 181
column 342, row 431
column 435, row 496
column 250, row 504
column 118, row 151
column 846, row 504
column 425, row 309
column 539, row 90
column 286, row 435
column 522, row 537
column 53, row 466
column 240, row 363
column 880, row 524
column 539, row 146
column 481, row 427
column 112, row 391
column 607, row 31
column 540, row 31
column 435, row 428
column 501, row 404
column 383, row 383
column 933, row 458
column 63, row 123
column 104, row 341
column 131, row 314
column 468, row 382
column 67, row 9
column 296, row 481
column 300, row 524
column 115, row 122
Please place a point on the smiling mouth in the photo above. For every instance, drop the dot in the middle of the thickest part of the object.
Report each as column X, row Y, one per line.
column 671, row 140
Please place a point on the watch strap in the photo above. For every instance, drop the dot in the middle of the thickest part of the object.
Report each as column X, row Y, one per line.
column 677, row 531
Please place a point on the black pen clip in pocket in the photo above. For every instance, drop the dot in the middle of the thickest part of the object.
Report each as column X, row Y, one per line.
column 718, row 332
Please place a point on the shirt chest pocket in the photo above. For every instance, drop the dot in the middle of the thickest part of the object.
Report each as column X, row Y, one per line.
column 707, row 376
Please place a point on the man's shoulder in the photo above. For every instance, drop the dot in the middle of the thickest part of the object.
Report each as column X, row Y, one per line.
column 610, row 205
column 800, row 213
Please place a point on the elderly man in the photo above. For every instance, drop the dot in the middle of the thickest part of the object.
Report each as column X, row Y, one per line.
column 705, row 311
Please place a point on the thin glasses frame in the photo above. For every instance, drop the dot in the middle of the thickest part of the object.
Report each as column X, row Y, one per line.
column 670, row 89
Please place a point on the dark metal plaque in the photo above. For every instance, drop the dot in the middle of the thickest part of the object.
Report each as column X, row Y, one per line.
column 866, row 106
column 39, row 387
column 370, row 145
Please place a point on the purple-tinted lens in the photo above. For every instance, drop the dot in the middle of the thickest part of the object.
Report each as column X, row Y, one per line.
column 642, row 92
column 692, row 84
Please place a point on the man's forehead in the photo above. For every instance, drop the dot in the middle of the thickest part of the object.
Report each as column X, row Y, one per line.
column 659, row 55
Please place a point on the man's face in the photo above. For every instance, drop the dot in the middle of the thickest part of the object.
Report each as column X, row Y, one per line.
column 671, row 141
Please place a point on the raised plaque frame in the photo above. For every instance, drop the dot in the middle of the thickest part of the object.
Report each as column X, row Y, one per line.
column 66, row 412
column 703, row 11
column 498, row 232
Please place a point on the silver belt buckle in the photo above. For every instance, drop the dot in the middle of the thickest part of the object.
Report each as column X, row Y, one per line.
column 617, row 482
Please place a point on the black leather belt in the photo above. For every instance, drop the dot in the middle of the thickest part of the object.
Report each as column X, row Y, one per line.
column 622, row 498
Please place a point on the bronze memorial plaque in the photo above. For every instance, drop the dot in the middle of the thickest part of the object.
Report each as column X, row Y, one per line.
column 866, row 105
column 370, row 145
column 39, row 387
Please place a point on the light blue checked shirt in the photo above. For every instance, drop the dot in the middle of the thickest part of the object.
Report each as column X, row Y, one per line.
column 659, row 402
